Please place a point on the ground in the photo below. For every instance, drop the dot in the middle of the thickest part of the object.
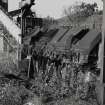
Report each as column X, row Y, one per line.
column 22, row 92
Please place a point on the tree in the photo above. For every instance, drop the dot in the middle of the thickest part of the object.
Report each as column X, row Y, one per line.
column 79, row 12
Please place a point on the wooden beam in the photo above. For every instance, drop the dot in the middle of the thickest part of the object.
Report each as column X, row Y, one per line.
column 102, row 60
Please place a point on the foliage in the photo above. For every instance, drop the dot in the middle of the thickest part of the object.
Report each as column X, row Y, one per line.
column 55, row 91
column 79, row 12
column 13, row 94
column 7, row 65
column 9, row 96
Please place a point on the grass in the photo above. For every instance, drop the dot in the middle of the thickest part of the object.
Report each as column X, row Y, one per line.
column 50, row 94
column 7, row 65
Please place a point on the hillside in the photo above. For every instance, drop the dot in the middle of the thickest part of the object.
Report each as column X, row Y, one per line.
column 89, row 22
column 63, row 21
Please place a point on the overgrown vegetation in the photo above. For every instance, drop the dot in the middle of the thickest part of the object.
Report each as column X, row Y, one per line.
column 75, row 92
column 80, row 11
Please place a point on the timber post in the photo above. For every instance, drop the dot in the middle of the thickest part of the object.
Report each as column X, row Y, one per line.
column 101, row 89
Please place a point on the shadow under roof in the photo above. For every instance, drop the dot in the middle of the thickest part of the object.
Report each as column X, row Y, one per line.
column 59, row 34
column 70, row 33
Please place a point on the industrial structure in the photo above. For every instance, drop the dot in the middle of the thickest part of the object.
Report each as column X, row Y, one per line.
column 81, row 44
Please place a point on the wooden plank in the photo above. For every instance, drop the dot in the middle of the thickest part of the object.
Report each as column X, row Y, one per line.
column 101, row 57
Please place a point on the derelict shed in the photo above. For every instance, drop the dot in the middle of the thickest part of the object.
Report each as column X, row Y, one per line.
column 88, row 43
column 63, row 43
column 79, row 36
column 59, row 34
column 69, row 34
column 67, row 38
column 49, row 35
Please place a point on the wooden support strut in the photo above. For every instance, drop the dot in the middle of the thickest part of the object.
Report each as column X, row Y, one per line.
column 102, row 62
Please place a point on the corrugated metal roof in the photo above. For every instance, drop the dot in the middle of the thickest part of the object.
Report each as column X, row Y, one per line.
column 62, row 45
column 48, row 35
column 51, row 33
column 88, row 42
column 59, row 34
column 71, row 32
